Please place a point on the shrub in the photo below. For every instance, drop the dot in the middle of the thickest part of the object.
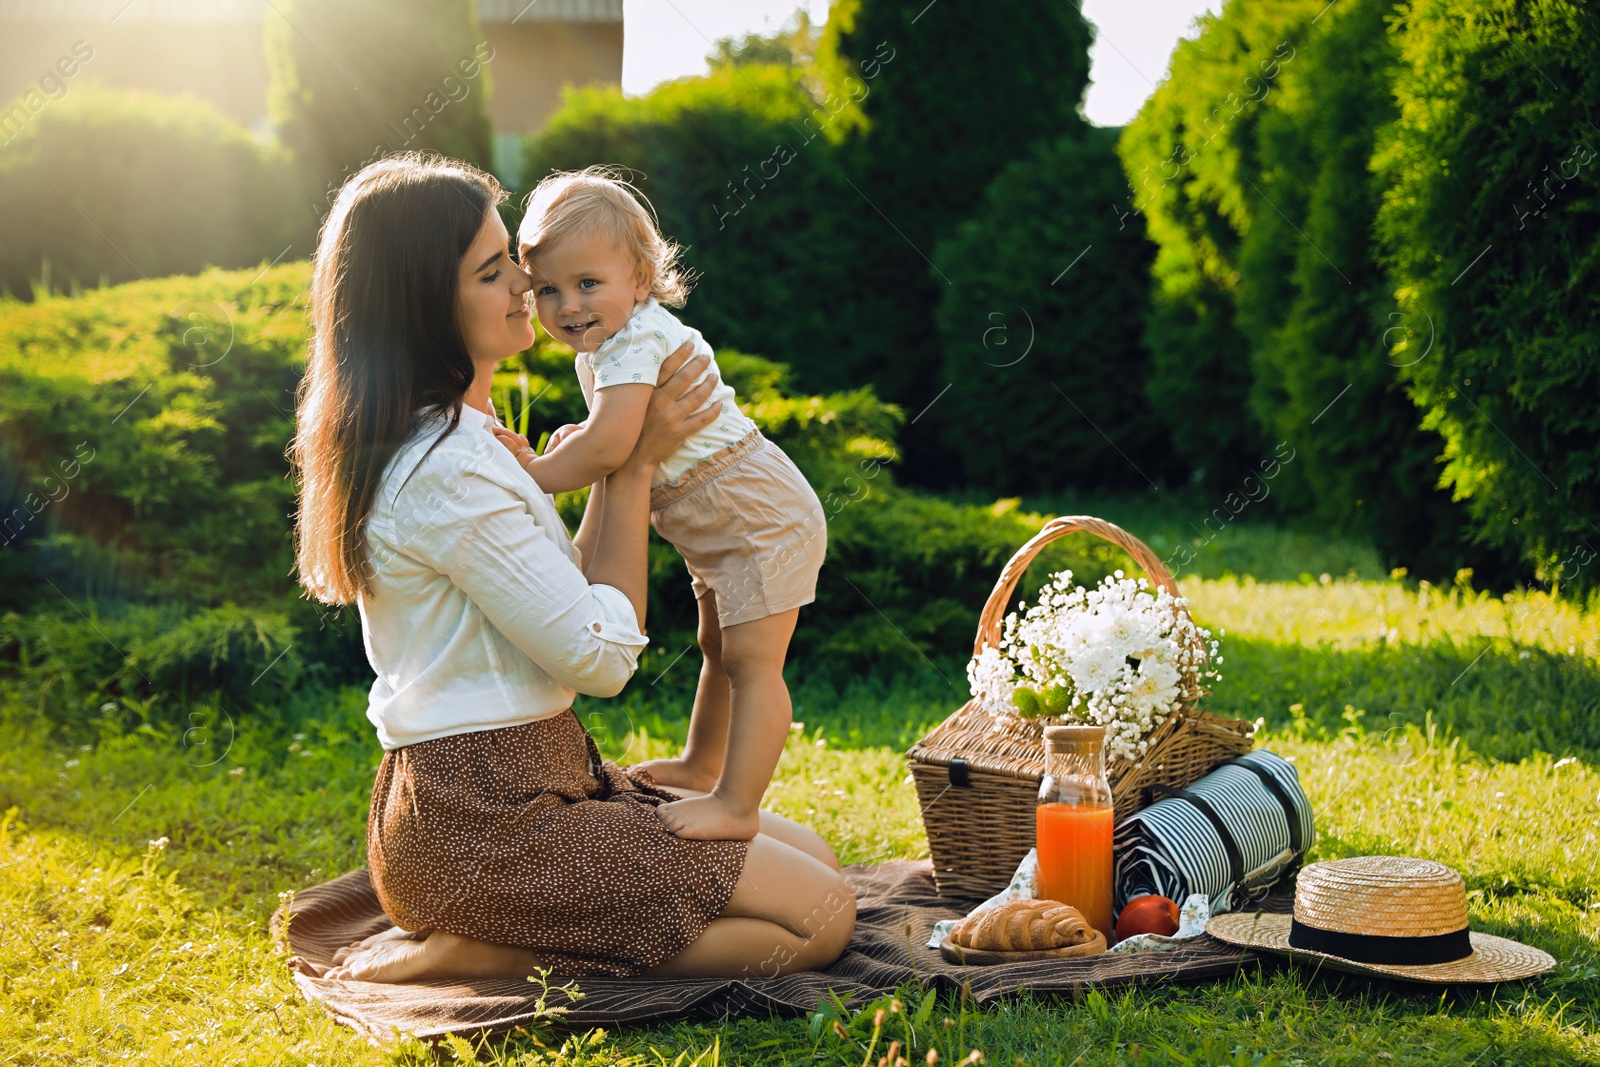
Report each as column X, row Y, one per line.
column 1040, row 329
column 1316, row 306
column 1491, row 226
column 159, row 412
column 110, row 186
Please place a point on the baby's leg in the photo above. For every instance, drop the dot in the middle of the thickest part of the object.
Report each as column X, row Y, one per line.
column 701, row 762
column 753, row 655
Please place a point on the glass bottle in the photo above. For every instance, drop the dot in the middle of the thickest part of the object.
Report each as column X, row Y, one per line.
column 1075, row 823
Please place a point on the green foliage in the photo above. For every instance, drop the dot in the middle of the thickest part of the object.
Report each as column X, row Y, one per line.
column 1188, row 155
column 1041, row 325
column 944, row 109
column 144, row 426
column 161, row 411
column 1316, row 306
column 106, row 185
column 740, row 167
column 356, row 79
column 1491, row 226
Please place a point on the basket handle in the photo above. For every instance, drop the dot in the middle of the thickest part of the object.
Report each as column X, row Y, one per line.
column 1057, row 528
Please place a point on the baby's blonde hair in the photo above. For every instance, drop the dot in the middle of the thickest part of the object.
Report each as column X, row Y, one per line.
column 599, row 200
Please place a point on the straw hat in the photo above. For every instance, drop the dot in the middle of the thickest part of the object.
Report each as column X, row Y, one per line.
column 1389, row 915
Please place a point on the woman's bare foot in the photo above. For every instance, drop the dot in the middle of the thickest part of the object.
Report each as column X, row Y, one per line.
column 678, row 774
column 710, row 818
column 440, row 955
column 394, row 933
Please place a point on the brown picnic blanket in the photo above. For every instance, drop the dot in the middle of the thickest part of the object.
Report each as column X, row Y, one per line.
column 897, row 907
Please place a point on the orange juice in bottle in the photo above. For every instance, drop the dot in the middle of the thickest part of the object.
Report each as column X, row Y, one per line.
column 1075, row 823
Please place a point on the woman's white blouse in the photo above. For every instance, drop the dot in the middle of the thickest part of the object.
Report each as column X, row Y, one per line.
column 479, row 616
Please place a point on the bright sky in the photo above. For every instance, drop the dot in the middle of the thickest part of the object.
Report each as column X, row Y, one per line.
column 667, row 39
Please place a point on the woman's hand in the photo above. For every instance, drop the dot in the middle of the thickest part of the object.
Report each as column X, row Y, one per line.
column 675, row 411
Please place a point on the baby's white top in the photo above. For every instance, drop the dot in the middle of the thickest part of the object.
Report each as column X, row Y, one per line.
column 634, row 354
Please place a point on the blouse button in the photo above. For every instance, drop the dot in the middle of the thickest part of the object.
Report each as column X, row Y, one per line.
column 596, row 627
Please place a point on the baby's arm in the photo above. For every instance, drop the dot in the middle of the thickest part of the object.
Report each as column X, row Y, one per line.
column 599, row 446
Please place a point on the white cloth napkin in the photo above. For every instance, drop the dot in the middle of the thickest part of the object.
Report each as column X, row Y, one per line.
column 1192, row 917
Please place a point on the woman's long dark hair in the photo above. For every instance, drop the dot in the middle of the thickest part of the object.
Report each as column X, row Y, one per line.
column 386, row 347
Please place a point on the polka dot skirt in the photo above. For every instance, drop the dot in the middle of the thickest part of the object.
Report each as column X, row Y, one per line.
column 525, row 836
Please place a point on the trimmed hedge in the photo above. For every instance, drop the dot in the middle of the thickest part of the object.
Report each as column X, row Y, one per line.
column 142, row 436
column 105, row 185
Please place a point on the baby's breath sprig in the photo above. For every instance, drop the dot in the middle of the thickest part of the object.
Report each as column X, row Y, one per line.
column 1119, row 655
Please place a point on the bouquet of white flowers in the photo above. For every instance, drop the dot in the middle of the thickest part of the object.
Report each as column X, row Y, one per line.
column 1117, row 655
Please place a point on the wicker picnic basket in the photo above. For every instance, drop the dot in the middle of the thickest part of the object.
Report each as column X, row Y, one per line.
column 978, row 785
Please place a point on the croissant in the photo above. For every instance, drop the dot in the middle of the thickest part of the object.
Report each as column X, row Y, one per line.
column 1023, row 925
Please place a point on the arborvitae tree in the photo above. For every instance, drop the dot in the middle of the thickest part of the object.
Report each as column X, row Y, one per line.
column 1491, row 225
column 354, row 80
column 947, row 102
column 1041, row 330
column 1326, row 335
column 1187, row 154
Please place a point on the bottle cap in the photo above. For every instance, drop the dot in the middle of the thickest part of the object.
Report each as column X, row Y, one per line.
column 1063, row 736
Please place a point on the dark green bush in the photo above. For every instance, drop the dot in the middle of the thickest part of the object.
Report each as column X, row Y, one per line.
column 741, row 168
column 1041, row 328
column 949, row 104
column 1491, row 226
column 108, row 185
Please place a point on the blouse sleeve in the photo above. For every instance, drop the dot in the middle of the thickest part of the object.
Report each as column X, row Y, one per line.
column 481, row 535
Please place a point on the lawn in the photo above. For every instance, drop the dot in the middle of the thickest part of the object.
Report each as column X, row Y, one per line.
column 138, row 868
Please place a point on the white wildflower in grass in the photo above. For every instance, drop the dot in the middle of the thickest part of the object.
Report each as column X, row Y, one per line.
column 1119, row 655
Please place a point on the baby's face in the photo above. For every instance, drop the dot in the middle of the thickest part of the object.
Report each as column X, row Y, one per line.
column 584, row 289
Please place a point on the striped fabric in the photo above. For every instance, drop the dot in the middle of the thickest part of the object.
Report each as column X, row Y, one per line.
column 897, row 907
column 1174, row 848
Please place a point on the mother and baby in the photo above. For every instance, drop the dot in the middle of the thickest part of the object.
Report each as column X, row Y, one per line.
column 499, row 841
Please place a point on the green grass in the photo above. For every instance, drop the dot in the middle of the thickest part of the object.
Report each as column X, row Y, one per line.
column 1441, row 723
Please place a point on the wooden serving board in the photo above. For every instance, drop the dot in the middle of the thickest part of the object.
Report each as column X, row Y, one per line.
column 978, row 957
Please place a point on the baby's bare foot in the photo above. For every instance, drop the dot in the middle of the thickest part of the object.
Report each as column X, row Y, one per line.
column 678, row 774
column 709, row 818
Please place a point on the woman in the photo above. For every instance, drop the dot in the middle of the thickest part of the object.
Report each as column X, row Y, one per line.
column 499, row 842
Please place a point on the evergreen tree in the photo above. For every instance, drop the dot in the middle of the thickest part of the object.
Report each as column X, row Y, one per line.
column 947, row 96
column 1491, row 226
column 1188, row 154
column 354, row 80
column 1042, row 327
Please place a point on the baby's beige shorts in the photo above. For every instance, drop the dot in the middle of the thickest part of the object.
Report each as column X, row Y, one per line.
column 749, row 527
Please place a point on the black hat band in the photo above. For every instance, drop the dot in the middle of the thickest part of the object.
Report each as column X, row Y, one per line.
column 1379, row 948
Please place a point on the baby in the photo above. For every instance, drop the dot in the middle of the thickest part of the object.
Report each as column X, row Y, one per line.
column 750, row 529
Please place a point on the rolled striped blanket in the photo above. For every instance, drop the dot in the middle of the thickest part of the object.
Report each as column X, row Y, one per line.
column 1232, row 835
